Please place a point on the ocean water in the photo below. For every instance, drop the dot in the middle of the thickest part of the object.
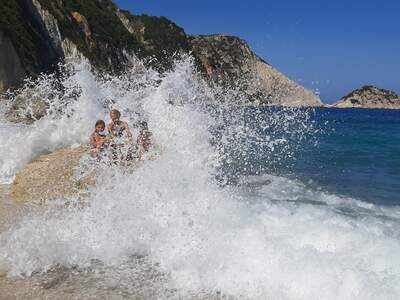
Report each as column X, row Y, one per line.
column 243, row 202
column 357, row 156
column 350, row 152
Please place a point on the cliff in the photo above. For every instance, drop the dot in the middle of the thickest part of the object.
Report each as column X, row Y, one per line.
column 370, row 97
column 230, row 61
column 37, row 34
column 11, row 71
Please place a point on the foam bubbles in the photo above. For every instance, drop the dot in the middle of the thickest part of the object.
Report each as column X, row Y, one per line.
column 264, row 237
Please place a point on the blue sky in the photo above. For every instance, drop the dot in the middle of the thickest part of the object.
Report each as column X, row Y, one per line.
column 333, row 45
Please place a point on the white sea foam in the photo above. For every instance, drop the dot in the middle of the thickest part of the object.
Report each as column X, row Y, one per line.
column 267, row 238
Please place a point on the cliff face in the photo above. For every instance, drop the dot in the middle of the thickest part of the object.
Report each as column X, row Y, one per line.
column 229, row 61
column 41, row 33
column 370, row 97
column 45, row 32
column 21, row 27
column 11, row 71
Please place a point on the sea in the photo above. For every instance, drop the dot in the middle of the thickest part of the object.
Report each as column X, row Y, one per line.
column 242, row 202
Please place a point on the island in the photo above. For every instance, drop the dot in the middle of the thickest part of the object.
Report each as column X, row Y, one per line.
column 369, row 97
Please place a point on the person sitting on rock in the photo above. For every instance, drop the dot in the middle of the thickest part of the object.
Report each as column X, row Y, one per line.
column 144, row 139
column 120, row 137
column 98, row 139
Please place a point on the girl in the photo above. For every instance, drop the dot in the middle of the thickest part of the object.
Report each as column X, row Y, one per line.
column 98, row 139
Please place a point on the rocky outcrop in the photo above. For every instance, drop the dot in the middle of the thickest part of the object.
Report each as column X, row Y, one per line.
column 44, row 32
column 26, row 109
column 229, row 61
column 83, row 23
column 50, row 176
column 370, row 97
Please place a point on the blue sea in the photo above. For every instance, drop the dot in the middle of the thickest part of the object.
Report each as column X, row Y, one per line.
column 347, row 152
column 357, row 155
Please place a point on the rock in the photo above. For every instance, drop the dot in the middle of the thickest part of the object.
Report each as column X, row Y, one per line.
column 50, row 176
column 230, row 61
column 370, row 97
column 11, row 71
column 49, row 26
column 27, row 110
column 81, row 20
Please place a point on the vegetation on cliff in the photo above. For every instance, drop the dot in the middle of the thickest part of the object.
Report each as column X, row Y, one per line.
column 26, row 36
column 160, row 37
column 106, row 36
column 96, row 29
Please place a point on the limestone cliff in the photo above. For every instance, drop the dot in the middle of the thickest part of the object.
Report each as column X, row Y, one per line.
column 230, row 61
column 40, row 33
column 370, row 97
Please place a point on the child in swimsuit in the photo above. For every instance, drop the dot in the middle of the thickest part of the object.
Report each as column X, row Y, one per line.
column 98, row 139
column 118, row 131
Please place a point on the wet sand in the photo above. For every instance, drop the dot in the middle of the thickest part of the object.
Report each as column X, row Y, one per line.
column 10, row 211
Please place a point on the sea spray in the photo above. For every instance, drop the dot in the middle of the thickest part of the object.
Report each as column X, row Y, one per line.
column 255, row 237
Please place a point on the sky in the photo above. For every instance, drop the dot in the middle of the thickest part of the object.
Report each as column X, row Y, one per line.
column 334, row 46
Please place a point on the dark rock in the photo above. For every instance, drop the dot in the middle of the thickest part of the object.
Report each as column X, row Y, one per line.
column 11, row 71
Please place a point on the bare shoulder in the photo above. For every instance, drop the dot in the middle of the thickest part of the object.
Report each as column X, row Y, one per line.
column 125, row 125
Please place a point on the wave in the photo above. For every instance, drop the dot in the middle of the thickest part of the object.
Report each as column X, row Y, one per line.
column 248, row 234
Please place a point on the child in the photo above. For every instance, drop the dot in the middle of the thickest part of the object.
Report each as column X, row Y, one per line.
column 144, row 139
column 98, row 139
column 120, row 137
column 117, row 128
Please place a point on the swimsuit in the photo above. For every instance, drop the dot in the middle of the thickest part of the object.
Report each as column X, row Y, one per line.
column 117, row 130
column 119, row 149
column 98, row 151
column 94, row 135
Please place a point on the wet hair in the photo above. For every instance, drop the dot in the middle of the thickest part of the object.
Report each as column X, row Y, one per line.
column 100, row 122
column 115, row 111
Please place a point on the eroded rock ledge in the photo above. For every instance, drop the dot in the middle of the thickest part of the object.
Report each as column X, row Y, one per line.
column 50, row 176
